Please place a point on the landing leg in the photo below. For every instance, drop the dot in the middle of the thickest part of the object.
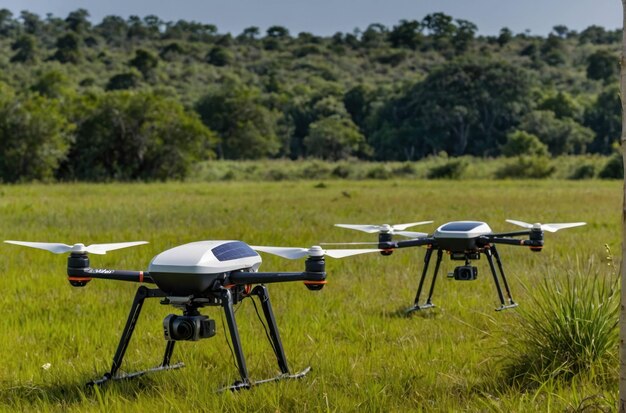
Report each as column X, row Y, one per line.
column 142, row 293
column 503, row 305
column 277, row 344
column 504, row 281
column 416, row 306
column 227, row 304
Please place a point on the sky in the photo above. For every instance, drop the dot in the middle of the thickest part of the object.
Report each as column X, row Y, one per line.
column 326, row 17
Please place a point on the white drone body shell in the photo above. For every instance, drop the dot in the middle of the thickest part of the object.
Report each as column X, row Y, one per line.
column 206, row 257
column 193, row 268
column 460, row 236
column 462, row 229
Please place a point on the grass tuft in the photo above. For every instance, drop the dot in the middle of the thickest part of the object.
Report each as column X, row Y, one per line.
column 569, row 329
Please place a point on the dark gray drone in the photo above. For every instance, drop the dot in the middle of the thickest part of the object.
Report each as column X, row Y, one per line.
column 463, row 241
column 196, row 275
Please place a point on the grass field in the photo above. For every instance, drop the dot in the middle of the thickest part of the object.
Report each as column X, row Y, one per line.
column 365, row 355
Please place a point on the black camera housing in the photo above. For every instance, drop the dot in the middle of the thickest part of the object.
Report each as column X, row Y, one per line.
column 465, row 273
column 188, row 328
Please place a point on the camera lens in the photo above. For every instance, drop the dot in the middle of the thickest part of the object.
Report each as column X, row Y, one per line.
column 183, row 328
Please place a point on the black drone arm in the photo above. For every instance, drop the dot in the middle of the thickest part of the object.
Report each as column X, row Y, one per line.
column 243, row 278
column 418, row 242
column 86, row 274
column 533, row 243
column 79, row 273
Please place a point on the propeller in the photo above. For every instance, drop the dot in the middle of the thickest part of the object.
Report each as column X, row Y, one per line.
column 397, row 229
column 546, row 227
column 58, row 248
column 294, row 253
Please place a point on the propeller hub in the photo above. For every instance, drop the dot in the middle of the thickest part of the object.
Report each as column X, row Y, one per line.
column 385, row 228
column 316, row 251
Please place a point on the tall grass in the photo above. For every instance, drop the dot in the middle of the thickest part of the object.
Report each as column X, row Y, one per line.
column 569, row 328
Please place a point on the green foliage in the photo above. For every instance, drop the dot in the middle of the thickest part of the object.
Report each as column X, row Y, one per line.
column 219, row 56
column 613, row 168
column 52, row 84
column 569, row 329
column 563, row 136
column 412, row 89
column 524, row 167
column 334, row 138
column 132, row 136
column 453, row 168
column 34, row 136
column 603, row 65
column 145, row 62
column 584, row 171
column 122, row 81
column 523, row 143
column 604, row 117
column 68, row 49
column 25, row 48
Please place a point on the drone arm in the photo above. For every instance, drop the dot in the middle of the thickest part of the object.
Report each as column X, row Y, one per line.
column 418, row 242
column 86, row 274
column 244, row 278
column 534, row 243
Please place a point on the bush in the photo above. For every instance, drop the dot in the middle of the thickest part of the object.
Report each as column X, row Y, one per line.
column 452, row 169
column 523, row 143
column 524, row 167
column 378, row 172
column 584, row 171
column 614, row 167
column 570, row 328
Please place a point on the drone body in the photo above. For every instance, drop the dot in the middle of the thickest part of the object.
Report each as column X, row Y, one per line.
column 460, row 236
column 465, row 241
column 196, row 275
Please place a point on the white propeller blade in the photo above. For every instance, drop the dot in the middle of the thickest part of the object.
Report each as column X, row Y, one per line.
column 546, row 227
column 394, row 229
column 293, row 253
column 411, row 234
column 58, row 248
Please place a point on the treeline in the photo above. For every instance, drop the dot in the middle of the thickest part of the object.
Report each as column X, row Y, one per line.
column 140, row 98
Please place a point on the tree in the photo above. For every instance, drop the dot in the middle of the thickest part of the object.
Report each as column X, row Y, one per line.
column 406, row 34
column 463, row 107
column 136, row 135
column 520, row 143
column 145, row 62
column 563, row 136
column 604, row 118
column 26, row 49
column 113, row 29
column 68, row 49
column 247, row 129
column 34, row 136
column 602, row 65
column 334, row 138
column 219, row 56
column 505, row 36
column 78, row 21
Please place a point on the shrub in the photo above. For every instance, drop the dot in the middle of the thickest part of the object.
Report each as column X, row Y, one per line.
column 378, row 172
column 523, row 167
column 584, row 171
column 569, row 328
column 613, row 168
column 452, row 169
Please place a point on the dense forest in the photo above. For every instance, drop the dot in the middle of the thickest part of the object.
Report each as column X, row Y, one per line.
column 141, row 98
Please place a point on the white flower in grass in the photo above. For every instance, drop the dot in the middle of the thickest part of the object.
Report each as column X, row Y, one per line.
column 46, row 366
